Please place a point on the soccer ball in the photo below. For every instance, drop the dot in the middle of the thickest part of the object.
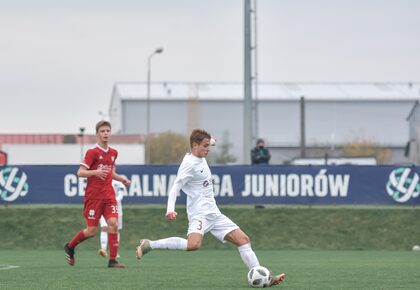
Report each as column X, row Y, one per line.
column 259, row 277
column 416, row 248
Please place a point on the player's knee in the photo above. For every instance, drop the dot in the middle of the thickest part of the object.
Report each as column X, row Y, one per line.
column 243, row 240
column 193, row 246
column 113, row 223
column 246, row 240
column 90, row 232
column 113, row 228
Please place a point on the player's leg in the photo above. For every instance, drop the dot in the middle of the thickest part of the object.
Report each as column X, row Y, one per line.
column 110, row 212
column 172, row 243
column 120, row 226
column 69, row 248
column 242, row 241
column 194, row 241
column 91, row 215
column 196, row 230
column 118, row 238
column 197, row 227
column 225, row 229
column 113, row 243
column 103, row 237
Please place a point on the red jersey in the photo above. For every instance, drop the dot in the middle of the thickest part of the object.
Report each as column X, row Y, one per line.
column 98, row 157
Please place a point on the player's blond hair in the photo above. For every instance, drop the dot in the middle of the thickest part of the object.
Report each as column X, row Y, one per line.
column 198, row 135
column 101, row 124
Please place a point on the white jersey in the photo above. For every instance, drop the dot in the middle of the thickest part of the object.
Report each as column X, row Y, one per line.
column 194, row 178
column 119, row 189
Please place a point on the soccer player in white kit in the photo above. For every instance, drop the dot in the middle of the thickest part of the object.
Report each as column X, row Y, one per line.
column 119, row 189
column 195, row 180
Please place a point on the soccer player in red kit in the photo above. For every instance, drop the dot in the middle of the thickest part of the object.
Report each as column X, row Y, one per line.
column 98, row 167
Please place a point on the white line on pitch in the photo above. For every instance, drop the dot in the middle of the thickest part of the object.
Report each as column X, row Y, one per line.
column 7, row 267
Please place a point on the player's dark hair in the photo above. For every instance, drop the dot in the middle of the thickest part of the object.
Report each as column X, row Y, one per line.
column 198, row 135
column 102, row 123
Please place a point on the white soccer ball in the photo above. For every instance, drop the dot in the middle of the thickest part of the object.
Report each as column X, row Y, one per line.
column 416, row 248
column 259, row 277
column 212, row 141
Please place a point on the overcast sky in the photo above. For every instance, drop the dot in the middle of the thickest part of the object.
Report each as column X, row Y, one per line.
column 60, row 59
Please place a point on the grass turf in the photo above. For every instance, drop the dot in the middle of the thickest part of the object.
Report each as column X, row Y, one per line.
column 272, row 228
column 210, row 269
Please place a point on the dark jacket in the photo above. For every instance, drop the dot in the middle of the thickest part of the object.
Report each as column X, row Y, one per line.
column 260, row 155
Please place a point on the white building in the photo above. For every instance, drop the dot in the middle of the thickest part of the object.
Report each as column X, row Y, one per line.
column 413, row 145
column 335, row 114
column 66, row 154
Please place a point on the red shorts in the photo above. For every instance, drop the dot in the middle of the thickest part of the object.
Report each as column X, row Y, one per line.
column 94, row 208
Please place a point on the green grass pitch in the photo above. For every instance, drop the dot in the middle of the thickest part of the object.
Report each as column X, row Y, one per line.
column 210, row 269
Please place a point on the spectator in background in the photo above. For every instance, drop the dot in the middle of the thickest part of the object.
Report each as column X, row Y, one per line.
column 260, row 154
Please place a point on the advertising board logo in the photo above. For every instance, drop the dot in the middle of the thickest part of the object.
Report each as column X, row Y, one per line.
column 13, row 183
column 403, row 184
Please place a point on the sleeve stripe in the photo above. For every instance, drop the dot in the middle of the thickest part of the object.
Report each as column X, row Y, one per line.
column 85, row 165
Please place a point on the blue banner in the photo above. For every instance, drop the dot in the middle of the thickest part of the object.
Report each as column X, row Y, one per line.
column 242, row 184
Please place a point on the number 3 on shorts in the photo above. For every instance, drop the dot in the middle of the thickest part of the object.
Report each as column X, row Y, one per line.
column 200, row 225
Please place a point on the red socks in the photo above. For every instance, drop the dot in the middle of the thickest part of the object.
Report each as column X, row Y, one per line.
column 113, row 245
column 77, row 239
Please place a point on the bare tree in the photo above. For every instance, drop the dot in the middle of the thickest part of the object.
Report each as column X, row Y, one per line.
column 222, row 155
column 168, row 148
column 365, row 147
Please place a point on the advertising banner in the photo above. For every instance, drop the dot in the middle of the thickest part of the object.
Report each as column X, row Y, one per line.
column 237, row 184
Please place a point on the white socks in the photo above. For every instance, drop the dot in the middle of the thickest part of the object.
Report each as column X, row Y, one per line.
column 104, row 240
column 248, row 256
column 173, row 243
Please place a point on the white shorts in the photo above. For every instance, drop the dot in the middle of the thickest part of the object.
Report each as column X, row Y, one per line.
column 219, row 226
column 103, row 222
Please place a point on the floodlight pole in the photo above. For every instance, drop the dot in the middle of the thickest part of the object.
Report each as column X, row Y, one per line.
column 149, row 72
column 247, row 84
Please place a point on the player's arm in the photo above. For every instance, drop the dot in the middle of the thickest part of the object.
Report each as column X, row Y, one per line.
column 86, row 172
column 267, row 155
column 170, row 209
column 183, row 176
column 85, row 167
column 254, row 156
column 121, row 178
